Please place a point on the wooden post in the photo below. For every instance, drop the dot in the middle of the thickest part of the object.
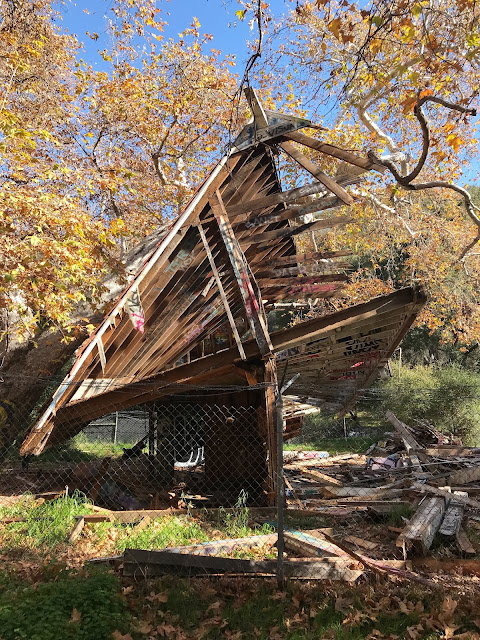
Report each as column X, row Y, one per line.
column 253, row 305
column 222, row 293
column 152, row 424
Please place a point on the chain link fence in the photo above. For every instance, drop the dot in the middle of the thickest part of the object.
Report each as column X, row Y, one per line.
column 192, row 485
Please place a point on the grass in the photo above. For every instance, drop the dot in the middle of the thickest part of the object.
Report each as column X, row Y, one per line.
column 45, row 525
column 66, row 606
column 334, row 446
column 97, row 605
column 44, row 529
column 247, row 609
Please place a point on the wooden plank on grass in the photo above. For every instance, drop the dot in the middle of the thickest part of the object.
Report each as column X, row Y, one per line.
column 93, row 518
column 129, row 517
column 463, row 542
column 216, row 547
column 146, row 564
column 420, row 531
column 309, row 546
column 77, row 529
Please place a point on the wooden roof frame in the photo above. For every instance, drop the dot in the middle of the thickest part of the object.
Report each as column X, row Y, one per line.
column 208, row 270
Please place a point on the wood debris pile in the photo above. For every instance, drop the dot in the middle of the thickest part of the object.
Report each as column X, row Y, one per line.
column 430, row 484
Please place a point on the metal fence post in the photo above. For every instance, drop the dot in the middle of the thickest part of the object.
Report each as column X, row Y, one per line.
column 115, row 429
column 280, row 489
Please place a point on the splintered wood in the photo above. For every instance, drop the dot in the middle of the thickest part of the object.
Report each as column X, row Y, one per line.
column 420, row 531
column 425, row 481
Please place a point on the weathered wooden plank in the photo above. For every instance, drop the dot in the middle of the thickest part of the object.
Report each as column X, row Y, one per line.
column 150, row 563
column 464, row 543
column 321, row 477
column 290, row 232
column 267, row 283
column 302, row 258
column 402, row 428
column 453, row 517
column 215, row 547
column 310, row 546
column 253, row 305
column 449, row 451
column 222, row 293
column 419, row 533
column 336, row 152
column 287, row 197
column 464, row 476
column 309, row 269
column 470, row 502
column 291, row 213
column 77, row 529
column 316, row 172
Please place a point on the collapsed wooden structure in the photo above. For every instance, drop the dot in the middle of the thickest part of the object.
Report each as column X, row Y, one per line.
column 194, row 315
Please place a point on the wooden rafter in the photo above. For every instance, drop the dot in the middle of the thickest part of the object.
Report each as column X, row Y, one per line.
column 316, row 172
column 253, row 305
column 222, row 293
column 335, row 152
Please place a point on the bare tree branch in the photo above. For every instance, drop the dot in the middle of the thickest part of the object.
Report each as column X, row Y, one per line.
column 405, row 181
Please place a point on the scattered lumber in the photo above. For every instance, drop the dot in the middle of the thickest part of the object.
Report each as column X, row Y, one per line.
column 446, row 494
column 464, row 476
column 309, row 546
column 465, row 566
column 419, row 533
column 401, row 427
column 216, row 547
column 145, row 564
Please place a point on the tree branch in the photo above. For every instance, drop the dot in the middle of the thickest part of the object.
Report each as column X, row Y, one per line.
column 405, row 181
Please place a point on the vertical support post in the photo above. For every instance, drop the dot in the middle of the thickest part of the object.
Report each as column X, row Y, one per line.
column 115, row 429
column 280, row 489
column 222, row 292
column 253, row 305
column 274, row 438
column 152, row 424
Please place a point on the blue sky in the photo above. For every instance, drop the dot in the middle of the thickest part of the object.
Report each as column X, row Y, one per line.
column 216, row 17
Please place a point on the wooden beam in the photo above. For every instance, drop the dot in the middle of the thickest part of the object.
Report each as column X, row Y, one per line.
column 302, row 258
column 290, row 232
column 469, row 502
column 422, row 527
column 316, row 172
column 222, row 293
column 287, row 197
column 294, row 281
column 335, row 152
column 138, row 562
column 253, row 305
column 309, row 269
column 290, row 213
